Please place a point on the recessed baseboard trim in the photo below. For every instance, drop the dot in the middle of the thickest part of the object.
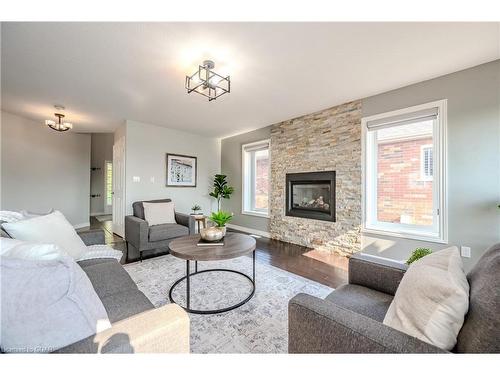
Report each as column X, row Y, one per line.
column 249, row 230
column 81, row 225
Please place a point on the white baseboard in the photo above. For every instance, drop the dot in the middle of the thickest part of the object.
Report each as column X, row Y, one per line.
column 249, row 230
column 81, row 225
column 98, row 213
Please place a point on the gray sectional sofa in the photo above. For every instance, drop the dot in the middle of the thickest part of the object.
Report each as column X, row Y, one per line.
column 136, row 325
column 141, row 237
column 349, row 320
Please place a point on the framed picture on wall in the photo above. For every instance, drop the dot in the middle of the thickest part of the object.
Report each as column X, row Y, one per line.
column 181, row 170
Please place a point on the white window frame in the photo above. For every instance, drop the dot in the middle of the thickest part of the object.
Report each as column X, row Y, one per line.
column 246, row 180
column 423, row 176
column 440, row 203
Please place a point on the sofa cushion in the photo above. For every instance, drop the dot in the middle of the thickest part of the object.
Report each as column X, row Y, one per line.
column 138, row 207
column 107, row 276
column 46, row 305
column 166, row 231
column 123, row 305
column 481, row 330
column 52, row 228
column 362, row 300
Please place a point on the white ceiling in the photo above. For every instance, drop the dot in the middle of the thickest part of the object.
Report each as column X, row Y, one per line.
column 105, row 73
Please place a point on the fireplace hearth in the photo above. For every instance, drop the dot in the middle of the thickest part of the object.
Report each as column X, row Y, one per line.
column 311, row 195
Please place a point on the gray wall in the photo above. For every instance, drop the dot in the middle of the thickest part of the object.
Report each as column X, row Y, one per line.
column 473, row 160
column 101, row 151
column 43, row 169
column 146, row 146
column 231, row 166
column 473, row 157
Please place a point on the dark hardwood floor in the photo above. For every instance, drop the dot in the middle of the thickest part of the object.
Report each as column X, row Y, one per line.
column 325, row 268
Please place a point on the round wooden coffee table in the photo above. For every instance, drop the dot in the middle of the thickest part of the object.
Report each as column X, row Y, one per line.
column 235, row 245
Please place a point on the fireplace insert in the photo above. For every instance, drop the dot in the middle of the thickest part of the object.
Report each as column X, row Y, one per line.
column 311, row 195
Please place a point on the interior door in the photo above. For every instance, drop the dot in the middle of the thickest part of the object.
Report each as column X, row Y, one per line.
column 119, row 187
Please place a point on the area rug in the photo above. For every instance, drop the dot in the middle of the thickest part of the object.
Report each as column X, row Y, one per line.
column 259, row 326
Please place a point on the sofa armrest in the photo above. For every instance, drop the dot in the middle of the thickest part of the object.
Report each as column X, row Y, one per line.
column 92, row 237
column 186, row 220
column 376, row 273
column 319, row 326
column 136, row 231
column 162, row 330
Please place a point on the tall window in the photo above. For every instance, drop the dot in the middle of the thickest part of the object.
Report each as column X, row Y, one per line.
column 256, row 178
column 404, row 173
column 109, row 182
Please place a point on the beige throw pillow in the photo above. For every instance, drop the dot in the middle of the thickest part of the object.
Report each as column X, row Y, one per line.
column 159, row 213
column 432, row 299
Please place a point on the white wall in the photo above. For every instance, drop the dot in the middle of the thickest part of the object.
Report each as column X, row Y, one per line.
column 473, row 158
column 145, row 152
column 43, row 169
column 101, row 151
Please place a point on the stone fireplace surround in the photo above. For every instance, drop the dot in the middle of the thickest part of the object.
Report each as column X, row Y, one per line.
column 329, row 140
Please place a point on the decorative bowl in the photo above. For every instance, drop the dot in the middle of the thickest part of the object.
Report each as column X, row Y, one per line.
column 213, row 233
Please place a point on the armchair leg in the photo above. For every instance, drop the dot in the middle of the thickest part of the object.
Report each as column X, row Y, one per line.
column 140, row 255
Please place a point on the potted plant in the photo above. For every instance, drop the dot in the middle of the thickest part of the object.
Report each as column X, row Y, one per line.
column 195, row 209
column 221, row 189
column 221, row 218
column 418, row 253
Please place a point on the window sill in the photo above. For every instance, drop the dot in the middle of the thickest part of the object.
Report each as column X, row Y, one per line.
column 409, row 236
column 255, row 213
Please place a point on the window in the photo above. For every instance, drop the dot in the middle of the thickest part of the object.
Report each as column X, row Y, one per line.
column 255, row 184
column 426, row 167
column 109, row 182
column 403, row 173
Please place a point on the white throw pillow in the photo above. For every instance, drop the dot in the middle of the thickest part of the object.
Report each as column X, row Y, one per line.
column 29, row 250
column 46, row 305
column 159, row 213
column 51, row 228
column 432, row 299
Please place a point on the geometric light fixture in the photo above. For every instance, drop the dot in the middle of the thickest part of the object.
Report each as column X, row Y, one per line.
column 208, row 83
column 59, row 125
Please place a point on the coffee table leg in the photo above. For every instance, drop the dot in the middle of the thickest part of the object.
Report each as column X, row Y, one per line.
column 187, row 284
column 253, row 266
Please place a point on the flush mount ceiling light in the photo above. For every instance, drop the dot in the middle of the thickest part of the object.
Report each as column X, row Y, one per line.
column 59, row 125
column 208, row 83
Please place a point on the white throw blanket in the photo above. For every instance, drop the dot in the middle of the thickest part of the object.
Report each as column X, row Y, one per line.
column 100, row 252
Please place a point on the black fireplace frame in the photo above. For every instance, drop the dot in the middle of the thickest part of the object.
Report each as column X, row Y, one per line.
column 310, row 178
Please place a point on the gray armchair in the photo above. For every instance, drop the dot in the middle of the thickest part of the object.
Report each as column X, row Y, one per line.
column 140, row 236
column 349, row 320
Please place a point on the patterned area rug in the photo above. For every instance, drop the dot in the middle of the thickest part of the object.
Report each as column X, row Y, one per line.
column 259, row 326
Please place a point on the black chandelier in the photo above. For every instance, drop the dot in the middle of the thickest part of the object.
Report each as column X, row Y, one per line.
column 208, row 83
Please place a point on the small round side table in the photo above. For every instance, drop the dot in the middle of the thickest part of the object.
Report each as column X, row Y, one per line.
column 200, row 219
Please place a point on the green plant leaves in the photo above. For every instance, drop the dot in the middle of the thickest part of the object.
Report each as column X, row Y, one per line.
column 221, row 218
column 418, row 253
column 221, row 189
